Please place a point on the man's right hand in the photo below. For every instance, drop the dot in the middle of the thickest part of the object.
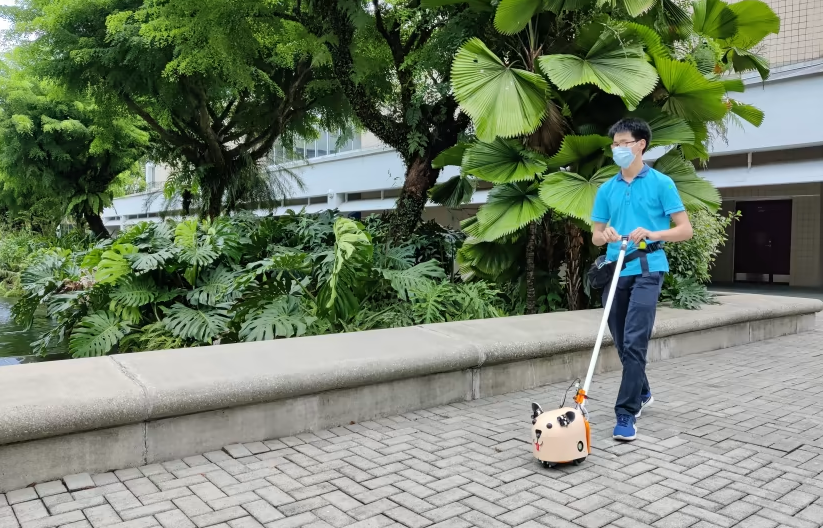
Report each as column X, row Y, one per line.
column 610, row 235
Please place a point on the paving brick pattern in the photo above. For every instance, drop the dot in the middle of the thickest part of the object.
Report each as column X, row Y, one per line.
column 735, row 438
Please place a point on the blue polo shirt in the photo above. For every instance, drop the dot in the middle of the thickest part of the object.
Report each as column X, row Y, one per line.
column 648, row 201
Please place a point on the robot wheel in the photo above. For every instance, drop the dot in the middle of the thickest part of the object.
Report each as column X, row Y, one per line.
column 579, row 461
column 548, row 465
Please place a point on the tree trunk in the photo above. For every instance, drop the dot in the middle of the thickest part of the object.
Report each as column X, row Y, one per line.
column 574, row 279
column 531, row 301
column 420, row 177
column 96, row 225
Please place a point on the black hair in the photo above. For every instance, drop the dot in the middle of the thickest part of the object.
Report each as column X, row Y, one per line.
column 638, row 128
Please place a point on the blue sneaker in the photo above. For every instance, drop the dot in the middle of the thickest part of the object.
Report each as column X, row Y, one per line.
column 625, row 429
column 645, row 400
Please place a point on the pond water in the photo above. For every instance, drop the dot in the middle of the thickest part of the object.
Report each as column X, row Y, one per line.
column 15, row 340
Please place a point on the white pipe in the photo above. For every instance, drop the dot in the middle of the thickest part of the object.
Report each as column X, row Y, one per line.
column 605, row 320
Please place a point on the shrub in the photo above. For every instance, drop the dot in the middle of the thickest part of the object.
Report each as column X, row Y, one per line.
column 691, row 261
column 194, row 283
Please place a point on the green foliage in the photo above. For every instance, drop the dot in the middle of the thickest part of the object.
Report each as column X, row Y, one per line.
column 59, row 147
column 691, row 261
column 242, row 278
column 215, row 83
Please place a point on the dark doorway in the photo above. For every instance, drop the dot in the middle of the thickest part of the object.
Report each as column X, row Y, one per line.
column 763, row 241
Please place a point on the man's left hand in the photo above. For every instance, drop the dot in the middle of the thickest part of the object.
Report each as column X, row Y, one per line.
column 640, row 234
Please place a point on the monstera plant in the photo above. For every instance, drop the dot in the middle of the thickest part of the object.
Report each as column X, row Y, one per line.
column 542, row 106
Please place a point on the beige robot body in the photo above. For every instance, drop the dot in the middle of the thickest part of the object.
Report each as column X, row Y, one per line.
column 560, row 436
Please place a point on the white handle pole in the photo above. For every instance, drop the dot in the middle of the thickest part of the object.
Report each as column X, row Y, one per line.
column 605, row 320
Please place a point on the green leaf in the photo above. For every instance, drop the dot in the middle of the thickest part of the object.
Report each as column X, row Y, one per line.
column 623, row 72
column 502, row 161
column 414, row 278
column 513, row 15
column 282, row 317
column 572, row 194
column 743, row 61
column 351, row 260
column 113, row 264
column 144, row 262
column 690, row 95
column 193, row 248
column 509, row 208
column 96, row 334
column 575, row 149
column 696, row 192
column 450, row 156
column 214, row 286
column 559, row 6
column 501, row 100
column 486, row 260
column 135, row 292
column 635, row 8
column 755, row 21
column 714, row 18
column 648, row 36
column 750, row 113
column 669, row 129
column 201, row 325
column 733, row 85
column 698, row 149
column 454, row 192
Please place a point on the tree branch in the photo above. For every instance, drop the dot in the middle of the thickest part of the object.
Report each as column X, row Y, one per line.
column 174, row 139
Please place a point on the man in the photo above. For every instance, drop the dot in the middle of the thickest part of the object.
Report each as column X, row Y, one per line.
column 641, row 203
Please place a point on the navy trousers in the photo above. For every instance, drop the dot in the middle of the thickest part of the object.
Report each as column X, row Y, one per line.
column 631, row 321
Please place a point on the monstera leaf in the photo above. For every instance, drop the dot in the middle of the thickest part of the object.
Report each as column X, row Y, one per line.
column 502, row 161
column 97, row 334
column 414, row 278
column 135, row 292
column 501, row 100
column 282, row 317
column 114, row 264
column 573, row 194
column 202, row 325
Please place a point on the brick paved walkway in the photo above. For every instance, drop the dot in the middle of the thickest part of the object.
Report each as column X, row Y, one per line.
column 722, row 446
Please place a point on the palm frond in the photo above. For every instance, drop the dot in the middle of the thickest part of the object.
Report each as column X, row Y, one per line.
column 501, row 100
column 502, row 161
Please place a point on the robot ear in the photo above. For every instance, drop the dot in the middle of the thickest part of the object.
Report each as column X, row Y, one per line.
column 570, row 416
column 536, row 410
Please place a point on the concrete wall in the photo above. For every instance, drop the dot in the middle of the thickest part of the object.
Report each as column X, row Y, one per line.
column 806, row 256
column 134, row 409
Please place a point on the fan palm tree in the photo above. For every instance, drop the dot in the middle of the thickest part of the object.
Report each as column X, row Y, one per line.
column 541, row 109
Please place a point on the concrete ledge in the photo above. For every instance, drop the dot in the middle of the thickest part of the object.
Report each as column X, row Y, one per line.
column 107, row 413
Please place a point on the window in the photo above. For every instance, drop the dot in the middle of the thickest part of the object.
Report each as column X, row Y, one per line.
column 325, row 145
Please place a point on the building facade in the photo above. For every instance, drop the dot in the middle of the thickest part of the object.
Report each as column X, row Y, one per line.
column 772, row 174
